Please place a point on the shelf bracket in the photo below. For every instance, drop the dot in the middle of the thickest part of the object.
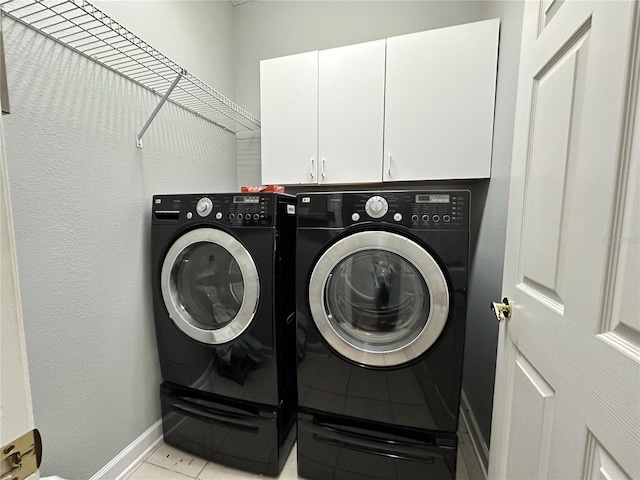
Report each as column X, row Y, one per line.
column 158, row 107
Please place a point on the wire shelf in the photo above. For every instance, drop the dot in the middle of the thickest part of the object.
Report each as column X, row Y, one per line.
column 87, row 30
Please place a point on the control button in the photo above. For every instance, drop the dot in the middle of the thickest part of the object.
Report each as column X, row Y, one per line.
column 436, row 218
column 256, row 216
column 376, row 207
column 189, row 215
column 219, row 215
column 247, row 216
column 414, row 218
column 355, row 217
column 425, row 218
column 204, row 206
column 446, row 218
column 231, row 216
column 397, row 217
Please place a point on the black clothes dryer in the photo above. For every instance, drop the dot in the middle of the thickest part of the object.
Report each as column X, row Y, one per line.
column 223, row 277
column 381, row 311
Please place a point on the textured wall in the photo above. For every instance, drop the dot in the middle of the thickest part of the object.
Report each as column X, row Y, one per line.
column 249, row 159
column 81, row 194
column 196, row 34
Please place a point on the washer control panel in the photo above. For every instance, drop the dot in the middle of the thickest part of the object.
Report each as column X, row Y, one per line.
column 440, row 209
column 428, row 209
column 226, row 209
column 247, row 209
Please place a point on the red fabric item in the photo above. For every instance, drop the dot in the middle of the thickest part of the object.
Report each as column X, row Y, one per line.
column 263, row 188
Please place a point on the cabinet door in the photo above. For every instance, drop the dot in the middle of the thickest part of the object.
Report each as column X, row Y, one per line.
column 289, row 117
column 440, row 94
column 351, row 113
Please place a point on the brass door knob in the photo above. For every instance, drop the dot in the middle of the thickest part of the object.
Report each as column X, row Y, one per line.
column 502, row 310
column 21, row 458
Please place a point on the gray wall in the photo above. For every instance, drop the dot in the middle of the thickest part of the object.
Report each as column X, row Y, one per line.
column 81, row 194
column 491, row 202
column 272, row 29
column 197, row 35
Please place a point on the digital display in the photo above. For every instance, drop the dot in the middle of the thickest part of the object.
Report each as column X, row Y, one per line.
column 246, row 199
column 433, row 198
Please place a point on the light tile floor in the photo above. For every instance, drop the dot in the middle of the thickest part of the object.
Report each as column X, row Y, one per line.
column 168, row 463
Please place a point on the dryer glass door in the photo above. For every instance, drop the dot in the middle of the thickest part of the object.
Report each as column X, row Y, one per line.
column 210, row 285
column 379, row 298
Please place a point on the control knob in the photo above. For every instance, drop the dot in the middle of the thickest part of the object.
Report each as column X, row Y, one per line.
column 204, row 206
column 376, row 207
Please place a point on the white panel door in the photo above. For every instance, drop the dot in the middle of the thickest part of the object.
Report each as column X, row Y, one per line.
column 289, row 117
column 567, row 394
column 351, row 113
column 439, row 104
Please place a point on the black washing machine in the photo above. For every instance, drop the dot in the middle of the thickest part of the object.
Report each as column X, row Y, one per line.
column 381, row 311
column 222, row 273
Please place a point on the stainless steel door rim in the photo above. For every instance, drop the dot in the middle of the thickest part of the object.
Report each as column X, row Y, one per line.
column 408, row 250
column 183, row 320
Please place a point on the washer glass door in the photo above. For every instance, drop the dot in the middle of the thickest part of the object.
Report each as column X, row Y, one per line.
column 379, row 298
column 210, row 285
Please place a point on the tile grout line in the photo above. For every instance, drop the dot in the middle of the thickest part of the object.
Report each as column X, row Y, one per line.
column 202, row 469
column 170, row 470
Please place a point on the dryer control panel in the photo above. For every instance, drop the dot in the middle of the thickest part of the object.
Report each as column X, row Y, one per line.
column 233, row 209
column 437, row 209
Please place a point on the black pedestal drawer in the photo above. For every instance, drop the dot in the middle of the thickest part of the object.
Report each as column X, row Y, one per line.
column 228, row 432
column 335, row 448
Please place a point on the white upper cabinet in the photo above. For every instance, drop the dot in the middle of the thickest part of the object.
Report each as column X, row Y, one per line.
column 351, row 113
column 413, row 107
column 289, row 117
column 440, row 93
column 322, row 116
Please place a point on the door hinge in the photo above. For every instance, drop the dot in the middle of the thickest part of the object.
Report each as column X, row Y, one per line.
column 21, row 458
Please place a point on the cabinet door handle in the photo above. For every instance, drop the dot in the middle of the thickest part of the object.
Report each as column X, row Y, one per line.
column 322, row 170
column 389, row 165
column 311, row 174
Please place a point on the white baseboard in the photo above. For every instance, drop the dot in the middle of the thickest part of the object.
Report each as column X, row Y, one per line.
column 479, row 445
column 122, row 463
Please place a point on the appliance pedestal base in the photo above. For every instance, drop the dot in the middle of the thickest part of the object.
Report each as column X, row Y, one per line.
column 331, row 447
column 236, row 434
